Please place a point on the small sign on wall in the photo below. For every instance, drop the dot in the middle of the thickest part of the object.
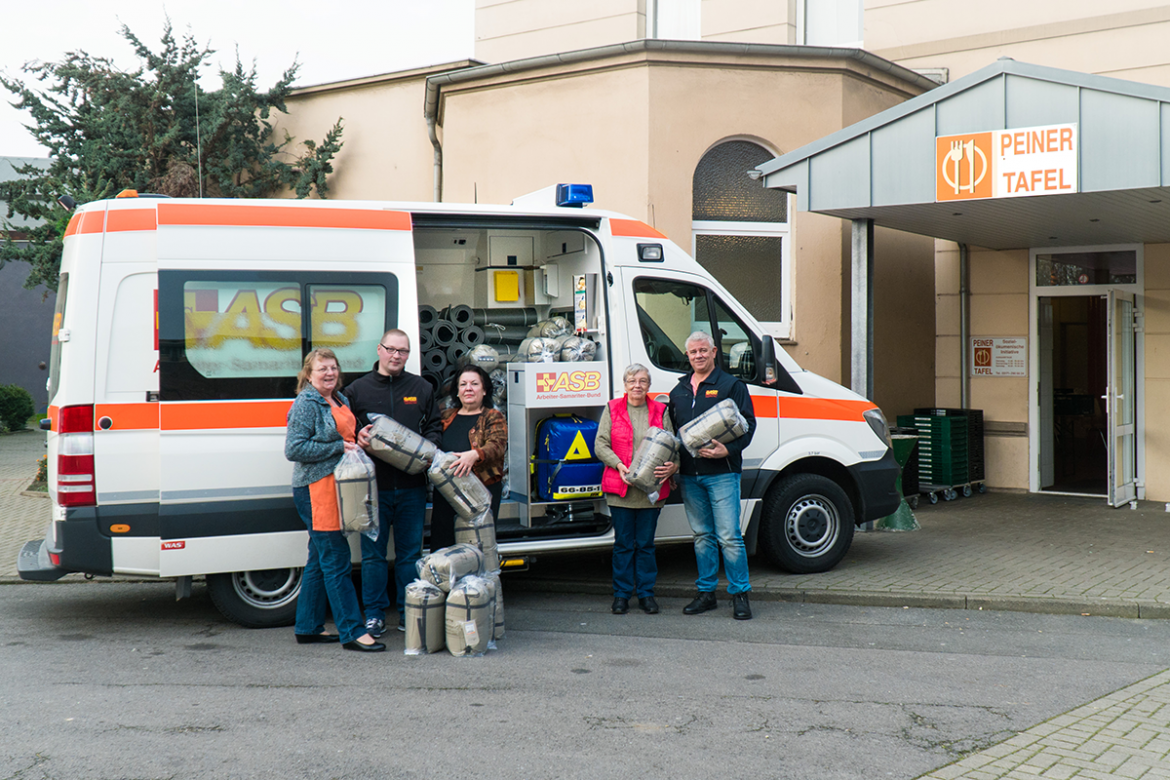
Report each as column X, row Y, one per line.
column 999, row 357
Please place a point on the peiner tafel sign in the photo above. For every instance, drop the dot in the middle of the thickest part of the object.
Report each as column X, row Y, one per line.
column 1013, row 163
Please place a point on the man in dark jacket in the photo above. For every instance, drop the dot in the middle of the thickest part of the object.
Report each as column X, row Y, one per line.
column 402, row 498
column 711, row 482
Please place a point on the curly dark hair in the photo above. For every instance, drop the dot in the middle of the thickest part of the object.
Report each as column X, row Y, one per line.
column 483, row 377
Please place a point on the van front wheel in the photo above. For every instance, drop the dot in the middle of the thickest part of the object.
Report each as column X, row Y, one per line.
column 807, row 524
column 257, row 599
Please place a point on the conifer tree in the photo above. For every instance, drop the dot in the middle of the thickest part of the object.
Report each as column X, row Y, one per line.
column 151, row 129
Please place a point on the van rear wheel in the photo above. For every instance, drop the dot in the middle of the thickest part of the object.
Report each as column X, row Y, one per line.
column 807, row 524
column 257, row 599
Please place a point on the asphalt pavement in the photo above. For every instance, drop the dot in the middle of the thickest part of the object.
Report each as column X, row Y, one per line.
column 993, row 551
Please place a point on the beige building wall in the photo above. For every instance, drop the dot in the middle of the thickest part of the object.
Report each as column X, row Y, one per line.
column 749, row 21
column 1156, row 305
column 1124, row 38
column 386, row 153
column 508, row 30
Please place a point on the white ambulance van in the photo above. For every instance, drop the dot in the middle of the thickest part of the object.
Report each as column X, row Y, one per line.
column 181, row 324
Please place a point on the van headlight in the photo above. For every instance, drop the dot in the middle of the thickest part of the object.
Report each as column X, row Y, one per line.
column 877, row 421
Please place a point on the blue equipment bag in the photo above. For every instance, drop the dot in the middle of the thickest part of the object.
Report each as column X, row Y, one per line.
column 565, row 465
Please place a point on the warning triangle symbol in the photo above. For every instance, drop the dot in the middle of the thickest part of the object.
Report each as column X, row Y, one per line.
column 578, row 450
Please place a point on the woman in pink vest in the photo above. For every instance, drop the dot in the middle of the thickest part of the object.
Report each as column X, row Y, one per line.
column 635, row 517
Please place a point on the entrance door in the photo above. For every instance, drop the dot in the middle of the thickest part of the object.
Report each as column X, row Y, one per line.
column 1120, row 399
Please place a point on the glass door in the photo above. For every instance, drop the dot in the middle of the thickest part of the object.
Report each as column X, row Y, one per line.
column 1120, row 399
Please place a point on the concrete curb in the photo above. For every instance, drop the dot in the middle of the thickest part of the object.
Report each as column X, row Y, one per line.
column 1040, row 605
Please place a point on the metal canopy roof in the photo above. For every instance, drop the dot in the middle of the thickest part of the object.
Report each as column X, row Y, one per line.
column 883, row 168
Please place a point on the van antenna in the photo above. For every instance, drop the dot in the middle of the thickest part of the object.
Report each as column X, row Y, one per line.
column 198, row 139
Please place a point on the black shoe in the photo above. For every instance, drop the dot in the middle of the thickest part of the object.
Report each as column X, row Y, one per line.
column 740, row 609
column 703, row 602
column 312, row 639
column 648, row 605
column 375, row 647
column 620, row 606
column 401, row 622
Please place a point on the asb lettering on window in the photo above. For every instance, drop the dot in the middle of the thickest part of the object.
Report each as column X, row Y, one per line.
column 1006, row 163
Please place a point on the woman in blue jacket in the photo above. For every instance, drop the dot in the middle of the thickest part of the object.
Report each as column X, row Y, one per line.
column 320, row 429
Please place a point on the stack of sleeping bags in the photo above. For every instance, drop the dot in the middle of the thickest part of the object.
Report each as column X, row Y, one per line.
column 399, row 446
column 470, row 616
column 723, row 423
column 658, row 448
column 467, row 495
column 357, row 493
column 480, row 531
column 426, row 618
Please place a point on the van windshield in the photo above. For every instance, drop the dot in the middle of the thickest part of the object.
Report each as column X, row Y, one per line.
column 58, row 318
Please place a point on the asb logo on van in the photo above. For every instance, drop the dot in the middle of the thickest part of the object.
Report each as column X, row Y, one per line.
column 572, row 381
column 566, row 384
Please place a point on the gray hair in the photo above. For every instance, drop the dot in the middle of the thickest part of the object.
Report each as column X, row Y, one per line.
column 633, row 370
column 700, row 335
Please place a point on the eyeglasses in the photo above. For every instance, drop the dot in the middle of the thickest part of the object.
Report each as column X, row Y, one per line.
column 638, row 382
column 392, row 351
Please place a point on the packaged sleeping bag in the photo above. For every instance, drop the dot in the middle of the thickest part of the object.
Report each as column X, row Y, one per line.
column 565, row 464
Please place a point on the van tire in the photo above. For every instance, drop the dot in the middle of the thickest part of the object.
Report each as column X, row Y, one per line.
column 257, row 599
column 807, row 524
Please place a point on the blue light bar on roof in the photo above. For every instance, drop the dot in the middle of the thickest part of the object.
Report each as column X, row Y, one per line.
column 575, row 195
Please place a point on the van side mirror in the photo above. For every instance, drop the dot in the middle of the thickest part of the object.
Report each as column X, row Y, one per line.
column 769, row 371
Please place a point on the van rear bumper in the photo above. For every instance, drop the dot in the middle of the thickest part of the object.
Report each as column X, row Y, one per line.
column 33, row 563
column 877, row 482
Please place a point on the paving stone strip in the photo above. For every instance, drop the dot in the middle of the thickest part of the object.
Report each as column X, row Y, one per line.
column 1123, row 734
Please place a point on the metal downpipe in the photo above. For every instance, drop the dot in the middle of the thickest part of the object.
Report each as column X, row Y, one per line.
column 964, row 326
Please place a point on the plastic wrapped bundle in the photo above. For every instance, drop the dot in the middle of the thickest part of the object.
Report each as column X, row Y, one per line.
column 551, row 328
column 577, row 349
column 425, row 615
column 480, row 531
column 466, row 495
column 498, row 620
column 499, row 379
column 657, row 449
column 469, row 617
column 399, row 446
column 443, row 568
column 538, row 350
column 357, row 493
column 484, row 356
column 723, row 422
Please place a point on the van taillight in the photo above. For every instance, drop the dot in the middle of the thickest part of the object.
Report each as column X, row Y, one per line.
column 75, row 482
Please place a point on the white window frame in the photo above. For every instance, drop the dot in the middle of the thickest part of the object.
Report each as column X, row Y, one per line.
column 781, row 329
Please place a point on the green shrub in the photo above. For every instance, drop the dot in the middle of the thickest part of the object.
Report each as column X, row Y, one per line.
column 16, row 406
column 42, row 469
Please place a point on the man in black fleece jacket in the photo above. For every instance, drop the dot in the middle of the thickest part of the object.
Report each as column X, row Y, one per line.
column 402, row 498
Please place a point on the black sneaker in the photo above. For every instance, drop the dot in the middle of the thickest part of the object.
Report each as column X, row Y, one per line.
column 649, row 605
column 620, row 606
column 375, row 627
column 703, row 602
column 740, row 609
column 401, row 622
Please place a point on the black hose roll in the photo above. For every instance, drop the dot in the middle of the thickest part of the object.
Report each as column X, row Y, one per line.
column 471, row 336
column 524, row 316
column 459, row 314
column 456, row 351
column 444, row 334
column 427, row 316
column 434, row 360
column 435, row 380
column 504, row 334
column 426, row 339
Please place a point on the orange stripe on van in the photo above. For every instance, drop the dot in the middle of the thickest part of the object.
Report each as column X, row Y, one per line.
column 130, row 219
column 823, row 409
column 92, row 221
column 281, row 216
column 74, row 221
column 632, row 228
column 127, row 417
column 214, row 415
column 764, row 406
column 54, row 413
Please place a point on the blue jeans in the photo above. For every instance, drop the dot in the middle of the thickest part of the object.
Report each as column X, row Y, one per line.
column 712, row 504
column 327, row 575
column 633, row 551
column 404, row 513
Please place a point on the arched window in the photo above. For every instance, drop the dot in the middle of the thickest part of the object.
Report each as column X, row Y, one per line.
column 740, row 232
